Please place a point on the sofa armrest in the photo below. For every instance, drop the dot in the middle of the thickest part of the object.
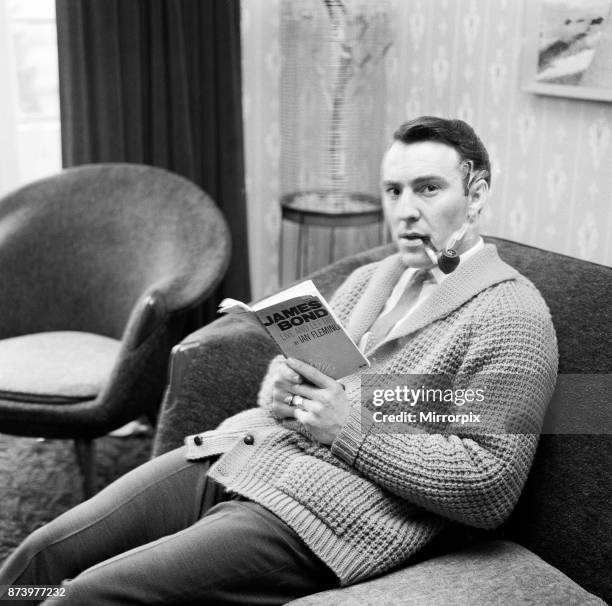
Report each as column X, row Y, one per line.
column 214, row 373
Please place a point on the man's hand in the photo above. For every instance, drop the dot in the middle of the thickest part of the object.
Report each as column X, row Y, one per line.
column 324, row 408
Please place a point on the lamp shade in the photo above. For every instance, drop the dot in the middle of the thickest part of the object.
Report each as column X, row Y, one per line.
column 333, row 98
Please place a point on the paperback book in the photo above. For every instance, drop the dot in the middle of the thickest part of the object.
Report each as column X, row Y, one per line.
column 304, row 327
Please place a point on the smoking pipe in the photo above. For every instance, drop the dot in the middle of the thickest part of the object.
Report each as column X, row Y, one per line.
column 448, row 258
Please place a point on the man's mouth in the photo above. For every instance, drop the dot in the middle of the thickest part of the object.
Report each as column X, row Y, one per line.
column 413, row 237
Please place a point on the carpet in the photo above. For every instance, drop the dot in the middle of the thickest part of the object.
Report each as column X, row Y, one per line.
column 40, row 479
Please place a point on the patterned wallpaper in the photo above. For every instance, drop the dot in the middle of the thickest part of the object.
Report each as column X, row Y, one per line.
column 261, row 103
column 551, row 156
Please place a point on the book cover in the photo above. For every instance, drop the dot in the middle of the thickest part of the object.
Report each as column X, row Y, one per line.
column 304, row 327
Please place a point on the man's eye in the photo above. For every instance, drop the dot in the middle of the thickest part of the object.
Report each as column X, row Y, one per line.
column 393, row 192
column 429, row 189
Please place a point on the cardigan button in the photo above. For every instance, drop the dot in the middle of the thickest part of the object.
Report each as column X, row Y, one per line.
column 197, row 441
column 249, row 439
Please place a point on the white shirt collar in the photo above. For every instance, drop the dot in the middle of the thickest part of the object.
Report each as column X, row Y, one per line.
column 428, row 287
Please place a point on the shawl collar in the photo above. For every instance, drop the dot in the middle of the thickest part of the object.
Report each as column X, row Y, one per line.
column 481, row 271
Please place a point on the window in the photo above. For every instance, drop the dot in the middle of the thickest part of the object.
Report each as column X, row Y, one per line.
column 30, row 135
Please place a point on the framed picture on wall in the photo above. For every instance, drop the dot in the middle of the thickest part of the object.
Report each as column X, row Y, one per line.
column 567, row 48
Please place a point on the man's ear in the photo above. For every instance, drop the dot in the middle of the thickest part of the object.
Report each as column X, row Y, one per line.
column 478, row 195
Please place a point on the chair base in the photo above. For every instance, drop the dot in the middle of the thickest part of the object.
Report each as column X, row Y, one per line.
column 86, row 460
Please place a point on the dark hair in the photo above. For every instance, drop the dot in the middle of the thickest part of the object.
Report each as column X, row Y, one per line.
column 455, row 133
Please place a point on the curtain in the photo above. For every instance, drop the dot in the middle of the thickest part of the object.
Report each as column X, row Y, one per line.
column 159, row 82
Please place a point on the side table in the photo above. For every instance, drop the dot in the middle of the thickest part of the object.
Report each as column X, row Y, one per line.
column 330, row 211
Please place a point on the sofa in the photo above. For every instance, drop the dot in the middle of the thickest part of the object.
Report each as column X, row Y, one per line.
column 555, row 548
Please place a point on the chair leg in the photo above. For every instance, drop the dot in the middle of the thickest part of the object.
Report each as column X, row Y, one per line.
column 86, row 455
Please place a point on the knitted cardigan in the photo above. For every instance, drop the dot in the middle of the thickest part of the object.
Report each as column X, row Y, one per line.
column 373, row 499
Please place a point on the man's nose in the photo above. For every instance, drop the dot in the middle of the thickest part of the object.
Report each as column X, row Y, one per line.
column 407, row 206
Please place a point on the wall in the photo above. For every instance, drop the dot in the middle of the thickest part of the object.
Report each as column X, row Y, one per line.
column 552, row 157
column 260, row 75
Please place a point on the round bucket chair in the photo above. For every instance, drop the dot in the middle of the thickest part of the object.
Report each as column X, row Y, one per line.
column 98, row 266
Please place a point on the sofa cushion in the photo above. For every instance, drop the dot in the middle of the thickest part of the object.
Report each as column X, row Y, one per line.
column 55, row 367
column 485, row 574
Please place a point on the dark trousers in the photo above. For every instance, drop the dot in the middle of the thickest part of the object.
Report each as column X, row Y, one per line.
column 166, row 534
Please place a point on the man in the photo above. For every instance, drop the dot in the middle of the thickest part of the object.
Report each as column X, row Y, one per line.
column 308, row 493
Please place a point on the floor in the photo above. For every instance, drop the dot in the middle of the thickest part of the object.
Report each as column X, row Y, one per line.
column 39, row 479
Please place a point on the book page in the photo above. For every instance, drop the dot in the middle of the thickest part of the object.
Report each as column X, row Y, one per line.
column 299, row 290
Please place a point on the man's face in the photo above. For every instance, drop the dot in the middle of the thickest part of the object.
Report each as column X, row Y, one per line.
column 423, row 197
